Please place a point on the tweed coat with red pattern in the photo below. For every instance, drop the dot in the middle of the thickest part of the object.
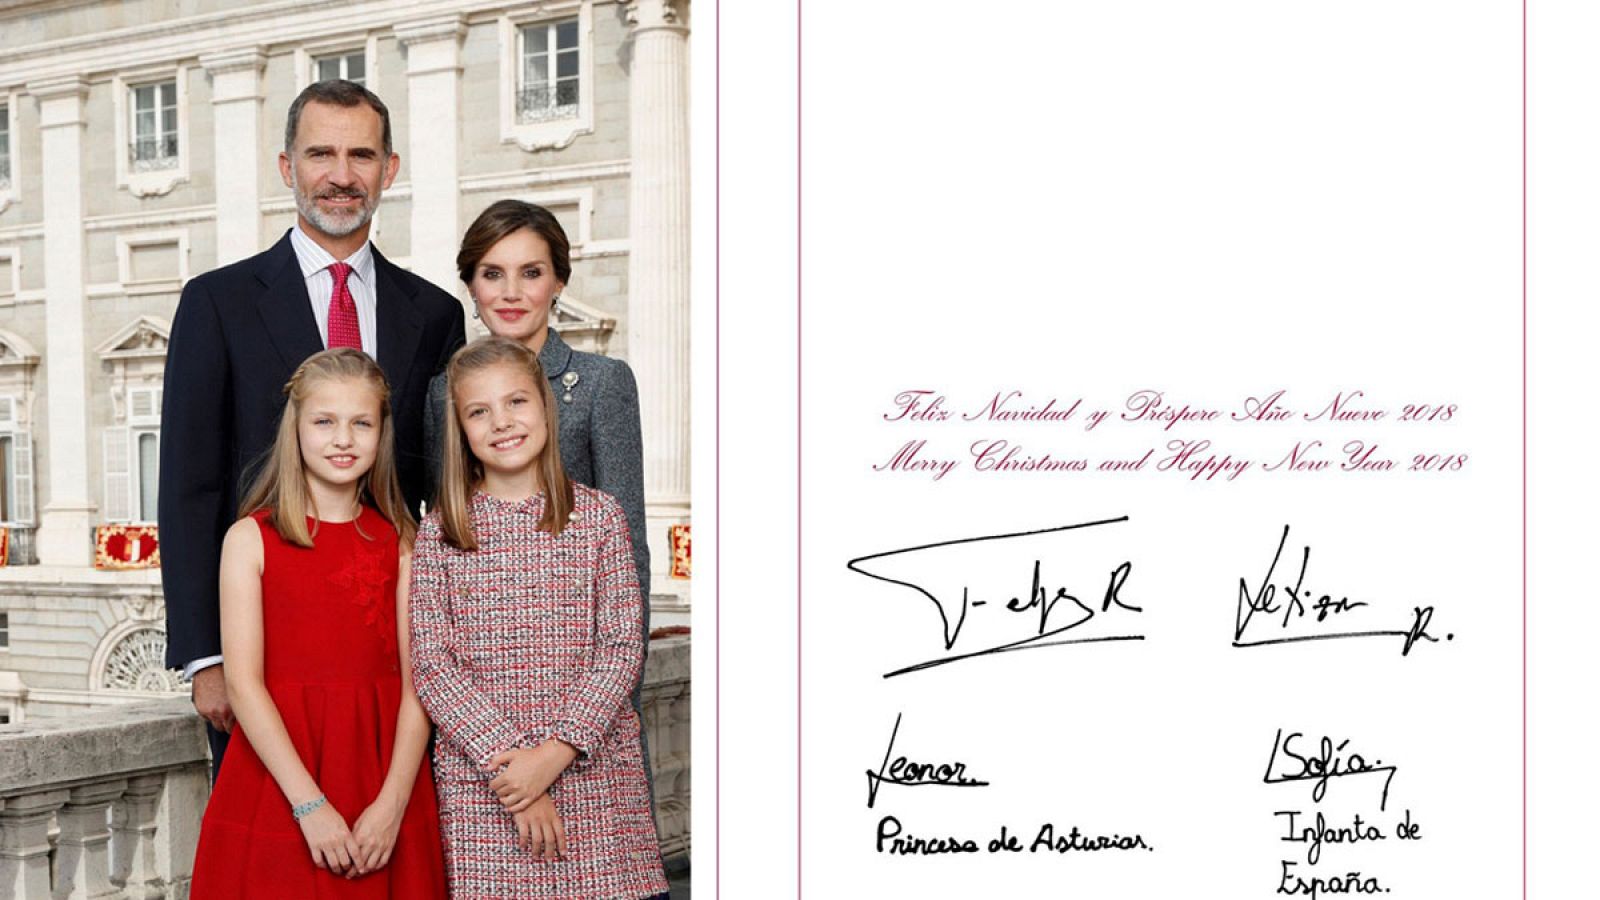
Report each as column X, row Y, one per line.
column 528, row 638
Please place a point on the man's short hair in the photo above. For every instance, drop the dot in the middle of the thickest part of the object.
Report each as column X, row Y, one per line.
column 336, row 92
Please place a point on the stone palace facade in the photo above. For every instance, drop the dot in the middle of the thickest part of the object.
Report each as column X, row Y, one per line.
column 138, row 147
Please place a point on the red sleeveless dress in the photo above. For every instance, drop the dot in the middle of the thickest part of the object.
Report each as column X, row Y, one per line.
column 332, row 666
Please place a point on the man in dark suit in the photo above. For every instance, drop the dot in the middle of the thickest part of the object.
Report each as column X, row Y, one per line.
column 240, row 332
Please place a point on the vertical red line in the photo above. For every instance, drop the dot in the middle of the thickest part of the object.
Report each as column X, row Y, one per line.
column 716, row 451
column 1524, row 449
column 799, row 419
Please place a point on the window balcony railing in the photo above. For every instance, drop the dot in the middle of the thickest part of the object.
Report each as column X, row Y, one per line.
column 150, row 154
column 19, row 545
column 545, row 102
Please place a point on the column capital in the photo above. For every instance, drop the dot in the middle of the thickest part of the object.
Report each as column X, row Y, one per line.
column 41, row 803
column 98, row 793
column 238, row 59
column 652, row 15
column 432, row 45
column 146, row 785
column 423, row 31
column 235, row 74
column 60, row 100
column 60, row 86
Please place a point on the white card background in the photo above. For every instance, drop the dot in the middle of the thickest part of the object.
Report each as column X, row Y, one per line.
column 1076, row 201
column 1152, row 196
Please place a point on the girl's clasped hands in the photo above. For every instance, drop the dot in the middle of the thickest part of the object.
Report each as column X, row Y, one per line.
column 352, row 852
column 523, row 785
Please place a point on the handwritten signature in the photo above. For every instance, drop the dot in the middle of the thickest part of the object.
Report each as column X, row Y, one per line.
column 907, row 773
column 1298, row 605
column 945, row 573
column 1326, row 761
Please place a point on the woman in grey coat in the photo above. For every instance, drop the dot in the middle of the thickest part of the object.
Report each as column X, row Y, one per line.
column 515, row 261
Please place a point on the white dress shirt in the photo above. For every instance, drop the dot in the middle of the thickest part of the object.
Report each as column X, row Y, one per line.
column 314, row 263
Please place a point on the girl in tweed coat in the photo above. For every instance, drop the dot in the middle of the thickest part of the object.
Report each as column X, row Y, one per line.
column 525, row 616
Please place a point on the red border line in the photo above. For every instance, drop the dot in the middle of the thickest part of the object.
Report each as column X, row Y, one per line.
column 1524, row 449
column 799, row 476
column 716, row 448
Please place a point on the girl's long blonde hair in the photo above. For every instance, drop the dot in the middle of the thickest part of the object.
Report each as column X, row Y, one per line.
column 462, row 472
column 281, row 487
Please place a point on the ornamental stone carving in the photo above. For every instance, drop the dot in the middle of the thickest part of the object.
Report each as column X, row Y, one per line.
column 143, row 607
column 136, row 662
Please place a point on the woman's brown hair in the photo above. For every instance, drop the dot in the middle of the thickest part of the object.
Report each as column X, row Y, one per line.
column 462, row 472
column 505, row 217
column 281, row 487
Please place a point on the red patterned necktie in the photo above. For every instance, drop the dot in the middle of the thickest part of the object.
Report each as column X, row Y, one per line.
column 344, row 328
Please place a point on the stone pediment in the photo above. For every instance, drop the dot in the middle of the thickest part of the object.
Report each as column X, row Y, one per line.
column 16, row 351
column 143, row 338
column 584, row 327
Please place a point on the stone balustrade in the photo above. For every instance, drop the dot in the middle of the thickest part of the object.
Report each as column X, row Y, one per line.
column 666, row 716
column 108, row 804
column 102, row 805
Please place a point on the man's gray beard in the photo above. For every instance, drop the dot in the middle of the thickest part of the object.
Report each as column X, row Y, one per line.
column 307, row 205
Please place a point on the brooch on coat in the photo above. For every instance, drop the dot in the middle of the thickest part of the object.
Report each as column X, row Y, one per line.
column 567, row 381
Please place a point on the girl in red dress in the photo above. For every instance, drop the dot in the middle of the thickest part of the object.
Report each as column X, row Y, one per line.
column 323, row 793
column 525, row 631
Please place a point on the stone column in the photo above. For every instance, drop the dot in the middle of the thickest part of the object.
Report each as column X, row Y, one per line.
column 133, row 838
column 25, row 843
column 666, row 716
column 433, row 85
column 178, row 815
column 83, row 851
column 658, row 266
column 64, row 528
column 236, row 111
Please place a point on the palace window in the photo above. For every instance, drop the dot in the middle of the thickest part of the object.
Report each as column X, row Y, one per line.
column 7, row 451
column 151, row 107
column 5, row 146
column 5, row 630
column 132, row 459
column 550, row 82
column 18, row 361
column 351, row 66
column 16, row 467
column 547, row 75
column 352, row 57
column 154, row 126
column 10, row 146
column 131, row 442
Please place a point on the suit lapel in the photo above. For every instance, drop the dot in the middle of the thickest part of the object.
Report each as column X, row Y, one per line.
column 399, row 325
column 284, row 305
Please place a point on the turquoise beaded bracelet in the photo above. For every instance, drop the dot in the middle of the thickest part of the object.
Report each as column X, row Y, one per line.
column 301, row 810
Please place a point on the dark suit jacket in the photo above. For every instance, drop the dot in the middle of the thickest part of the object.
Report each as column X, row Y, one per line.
column 239, row 333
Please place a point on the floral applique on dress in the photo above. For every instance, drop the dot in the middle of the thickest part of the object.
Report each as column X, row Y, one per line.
column 366, row 583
